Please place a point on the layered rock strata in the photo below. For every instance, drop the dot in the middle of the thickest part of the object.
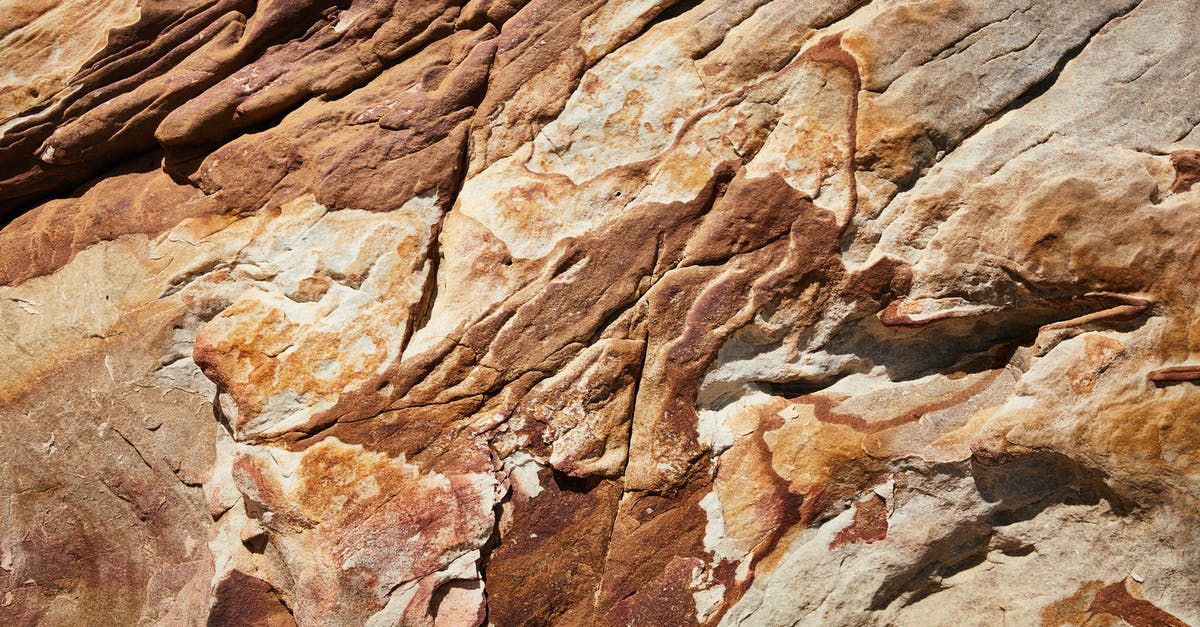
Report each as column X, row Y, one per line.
column 626, row 312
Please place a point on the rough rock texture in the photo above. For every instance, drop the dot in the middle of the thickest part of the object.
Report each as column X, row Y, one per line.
column 637, row 312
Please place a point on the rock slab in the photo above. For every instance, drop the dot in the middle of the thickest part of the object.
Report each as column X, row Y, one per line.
column 624, row 312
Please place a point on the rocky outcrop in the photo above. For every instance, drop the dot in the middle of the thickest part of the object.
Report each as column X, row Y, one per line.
column 637, row 312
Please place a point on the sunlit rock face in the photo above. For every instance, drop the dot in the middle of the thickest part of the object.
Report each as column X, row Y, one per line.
column 638, row 312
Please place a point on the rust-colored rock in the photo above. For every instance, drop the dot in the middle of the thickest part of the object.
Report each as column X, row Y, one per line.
column 624, row 312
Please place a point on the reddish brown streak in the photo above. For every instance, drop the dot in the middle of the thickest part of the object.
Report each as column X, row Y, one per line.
column 891, row 317
column 869, row 525
column 823, row 408
column 1130, row 308
column 1115, row 599
column 1174, row 374
column 1187, row 170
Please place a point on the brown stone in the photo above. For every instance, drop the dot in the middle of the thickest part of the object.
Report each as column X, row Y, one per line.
column 617, row 312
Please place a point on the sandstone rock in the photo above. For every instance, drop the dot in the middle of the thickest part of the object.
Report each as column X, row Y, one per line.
column 627, row 312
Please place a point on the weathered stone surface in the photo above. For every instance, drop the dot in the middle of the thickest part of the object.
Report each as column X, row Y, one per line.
column 625, row 312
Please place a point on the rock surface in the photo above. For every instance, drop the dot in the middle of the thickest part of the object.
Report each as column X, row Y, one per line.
column 637, row 312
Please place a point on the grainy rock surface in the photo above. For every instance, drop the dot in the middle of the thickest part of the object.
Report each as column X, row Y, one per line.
column 637, row 312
